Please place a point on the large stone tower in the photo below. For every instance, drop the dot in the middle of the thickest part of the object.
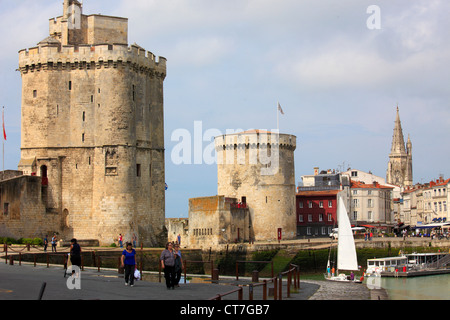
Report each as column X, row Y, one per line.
column 93, row 128
column 258, row 168
column 399, row 171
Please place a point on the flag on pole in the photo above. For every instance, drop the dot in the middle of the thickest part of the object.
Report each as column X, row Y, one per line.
column 3, row 120
column 280, row 109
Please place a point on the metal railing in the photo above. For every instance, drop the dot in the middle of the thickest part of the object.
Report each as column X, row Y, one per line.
column 241, row 261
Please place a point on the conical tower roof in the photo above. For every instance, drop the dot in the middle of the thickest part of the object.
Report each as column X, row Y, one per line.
column 398, row 142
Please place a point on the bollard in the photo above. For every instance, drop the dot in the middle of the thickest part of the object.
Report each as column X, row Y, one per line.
column 11, row 260
column 215, row 275
column 255, row 276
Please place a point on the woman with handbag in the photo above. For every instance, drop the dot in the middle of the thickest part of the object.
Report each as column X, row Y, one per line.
column 129, row 263
column 168, row 264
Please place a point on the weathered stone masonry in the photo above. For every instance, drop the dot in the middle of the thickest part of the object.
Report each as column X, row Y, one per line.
column 93, row 130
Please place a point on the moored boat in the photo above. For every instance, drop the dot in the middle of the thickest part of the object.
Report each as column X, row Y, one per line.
column 409, row 265
column 346, row 250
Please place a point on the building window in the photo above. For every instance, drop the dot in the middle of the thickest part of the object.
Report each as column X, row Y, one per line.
column 356, row 203
column 300, row 218
column 355, row 192
column 330, row 217
column 330, row 204
column 355, row 215
column 138, row 170
column 310, row 219
column 70, row 85
column 300, row 204
column 82, row 137
column 310, row 204
column 5, row 208
column 320, row 204
column 370, row 203
column 34, row 93
column 320, row 217
column 354, row 173
column 84, row 116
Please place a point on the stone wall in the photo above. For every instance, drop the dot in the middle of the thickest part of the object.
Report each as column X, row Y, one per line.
column 215, row 220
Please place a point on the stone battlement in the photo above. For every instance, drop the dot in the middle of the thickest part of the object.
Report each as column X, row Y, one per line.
column 54, row 56
column 254, row 139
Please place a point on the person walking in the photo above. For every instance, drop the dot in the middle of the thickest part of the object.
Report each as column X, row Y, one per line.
column 134, row 238
column 120, row 240
column 75, row 254
column 129, row 264
column 168, row 264
column 45, row 243
column 178, row 265
column 54, row 239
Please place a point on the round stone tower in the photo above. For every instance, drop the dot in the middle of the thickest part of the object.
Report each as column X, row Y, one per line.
column 258, row 168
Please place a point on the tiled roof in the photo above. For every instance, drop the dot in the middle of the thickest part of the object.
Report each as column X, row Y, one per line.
column 318, row 193
column 374, row 185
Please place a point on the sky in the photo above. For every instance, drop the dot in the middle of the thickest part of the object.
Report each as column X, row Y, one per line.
column 339, row 69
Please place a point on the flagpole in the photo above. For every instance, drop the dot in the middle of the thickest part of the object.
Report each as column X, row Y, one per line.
column 278, row 117
column 3, row 140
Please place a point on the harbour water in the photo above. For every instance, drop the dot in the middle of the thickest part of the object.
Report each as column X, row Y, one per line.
column 418, row 288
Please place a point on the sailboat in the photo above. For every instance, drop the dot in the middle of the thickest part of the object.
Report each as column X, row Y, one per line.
column 346, row 250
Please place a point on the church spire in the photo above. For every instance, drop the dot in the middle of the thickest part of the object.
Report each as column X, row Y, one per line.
column 398, row 142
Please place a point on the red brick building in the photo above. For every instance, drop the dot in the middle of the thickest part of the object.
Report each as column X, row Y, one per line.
column 316, row 213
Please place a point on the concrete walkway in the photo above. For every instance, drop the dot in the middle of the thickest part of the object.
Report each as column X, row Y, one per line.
column 25, row 282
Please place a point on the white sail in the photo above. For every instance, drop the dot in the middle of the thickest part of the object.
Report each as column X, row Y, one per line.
column 346, row 252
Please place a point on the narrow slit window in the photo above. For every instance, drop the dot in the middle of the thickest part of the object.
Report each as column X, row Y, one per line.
column 138, row 170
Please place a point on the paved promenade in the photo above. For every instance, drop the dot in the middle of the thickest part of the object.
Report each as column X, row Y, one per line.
column 24, row 283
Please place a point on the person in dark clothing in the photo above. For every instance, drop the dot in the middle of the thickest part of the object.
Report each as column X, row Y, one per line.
column 168, row 264
column 129, row 263
column 178, row 265
column 75, row 254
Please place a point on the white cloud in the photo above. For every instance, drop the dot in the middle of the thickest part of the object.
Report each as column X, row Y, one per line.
column 200, row 51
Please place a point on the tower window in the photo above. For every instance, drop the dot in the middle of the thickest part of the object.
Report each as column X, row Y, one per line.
column 138, row 170
column 70, row 85
column 84, row 116
column 34, row 93
column 82, row 137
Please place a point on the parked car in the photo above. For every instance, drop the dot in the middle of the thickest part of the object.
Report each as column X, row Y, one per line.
column 335, row 232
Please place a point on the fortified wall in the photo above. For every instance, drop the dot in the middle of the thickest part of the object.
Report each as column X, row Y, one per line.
column 93, row 130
